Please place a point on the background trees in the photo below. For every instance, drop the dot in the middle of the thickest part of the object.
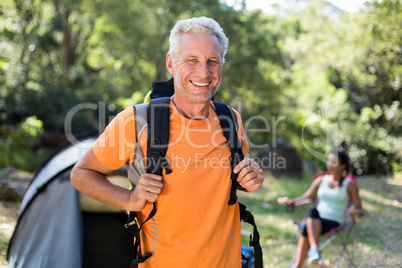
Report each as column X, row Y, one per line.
column 353, row 61
column 292, row 65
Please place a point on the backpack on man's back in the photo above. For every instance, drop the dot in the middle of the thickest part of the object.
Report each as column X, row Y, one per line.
column 157, row 143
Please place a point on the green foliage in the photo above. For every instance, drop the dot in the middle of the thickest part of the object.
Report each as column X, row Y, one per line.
column 19, row 146
column 352, row 60
column 32, row 126
column 80, row 61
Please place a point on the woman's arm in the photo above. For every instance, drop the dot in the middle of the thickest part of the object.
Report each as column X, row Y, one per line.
column 353, row 192
column 305, row 198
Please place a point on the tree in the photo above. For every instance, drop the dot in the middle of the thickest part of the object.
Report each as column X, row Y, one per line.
column 359, row 57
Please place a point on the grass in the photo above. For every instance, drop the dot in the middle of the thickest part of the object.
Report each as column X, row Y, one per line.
column 376, row 239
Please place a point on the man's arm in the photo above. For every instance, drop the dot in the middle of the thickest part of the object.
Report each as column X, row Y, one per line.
column 89, row 177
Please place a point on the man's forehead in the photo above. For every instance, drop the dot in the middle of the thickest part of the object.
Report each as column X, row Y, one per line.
column 198, row 43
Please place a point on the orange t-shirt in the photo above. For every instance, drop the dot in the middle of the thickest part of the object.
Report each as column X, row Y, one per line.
column 194, row 226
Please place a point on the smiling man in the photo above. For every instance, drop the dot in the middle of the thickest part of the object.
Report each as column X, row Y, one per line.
column 196, row 70
column 193, row 226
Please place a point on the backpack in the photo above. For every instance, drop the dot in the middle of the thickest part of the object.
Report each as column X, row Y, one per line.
column 248, row 259
column 157, row 144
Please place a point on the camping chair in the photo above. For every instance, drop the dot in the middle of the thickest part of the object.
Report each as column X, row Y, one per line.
column 343, row 231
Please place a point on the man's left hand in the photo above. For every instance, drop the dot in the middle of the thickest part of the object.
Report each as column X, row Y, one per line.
column 250, row 175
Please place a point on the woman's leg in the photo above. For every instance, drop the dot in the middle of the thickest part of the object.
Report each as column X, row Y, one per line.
column 310, row 228
column 314, row 229
column 302, row 248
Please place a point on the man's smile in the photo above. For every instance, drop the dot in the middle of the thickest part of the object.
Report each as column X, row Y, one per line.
column 200, row 84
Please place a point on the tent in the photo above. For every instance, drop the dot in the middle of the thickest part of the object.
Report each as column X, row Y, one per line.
column 57, row 228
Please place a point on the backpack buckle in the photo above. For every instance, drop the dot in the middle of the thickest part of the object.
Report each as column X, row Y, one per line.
column 129, row 224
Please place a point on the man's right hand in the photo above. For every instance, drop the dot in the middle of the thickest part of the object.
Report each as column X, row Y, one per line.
column 147, row 190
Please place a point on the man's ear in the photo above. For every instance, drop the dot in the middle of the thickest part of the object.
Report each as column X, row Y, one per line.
column 169, row 64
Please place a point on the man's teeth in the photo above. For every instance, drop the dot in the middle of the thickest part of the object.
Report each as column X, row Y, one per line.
column 200, row 84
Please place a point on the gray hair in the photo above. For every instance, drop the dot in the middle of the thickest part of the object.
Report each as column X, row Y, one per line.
column 196, row 25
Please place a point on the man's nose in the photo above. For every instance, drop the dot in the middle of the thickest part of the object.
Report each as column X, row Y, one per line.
column 203, row 70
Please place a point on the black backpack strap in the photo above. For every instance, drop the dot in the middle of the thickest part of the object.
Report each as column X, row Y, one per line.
column 228, row 123
column 246, row 216
column 158, row 115
column 132, row 225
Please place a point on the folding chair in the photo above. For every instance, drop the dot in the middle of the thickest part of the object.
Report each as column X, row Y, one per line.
column 343, row 231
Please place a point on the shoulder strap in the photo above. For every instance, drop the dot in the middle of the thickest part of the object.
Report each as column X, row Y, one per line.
column 157, row 118
column 228, row 123
column 137, row 167
column 158, row 115
column 246, row 216
column 140, row 113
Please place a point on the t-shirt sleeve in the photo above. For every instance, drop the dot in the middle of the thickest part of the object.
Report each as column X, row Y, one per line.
column 115, row 146
column 241, row 134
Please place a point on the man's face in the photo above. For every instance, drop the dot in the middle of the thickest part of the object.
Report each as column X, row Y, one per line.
column 197, row 68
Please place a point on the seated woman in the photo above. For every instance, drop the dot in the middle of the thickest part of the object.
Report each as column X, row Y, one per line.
column 334, row 193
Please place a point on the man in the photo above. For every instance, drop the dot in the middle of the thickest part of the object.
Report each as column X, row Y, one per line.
column 194, row 226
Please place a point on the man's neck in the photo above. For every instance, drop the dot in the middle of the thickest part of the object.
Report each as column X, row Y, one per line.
column 191, row 110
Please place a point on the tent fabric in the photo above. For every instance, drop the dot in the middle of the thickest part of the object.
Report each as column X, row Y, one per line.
column 50, row 233
column 60, row 161
column 53, row 231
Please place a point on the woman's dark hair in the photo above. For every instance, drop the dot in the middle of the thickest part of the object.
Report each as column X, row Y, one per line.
column 343, row 160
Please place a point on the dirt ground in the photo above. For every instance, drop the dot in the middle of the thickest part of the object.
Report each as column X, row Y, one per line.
column 8, row 215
